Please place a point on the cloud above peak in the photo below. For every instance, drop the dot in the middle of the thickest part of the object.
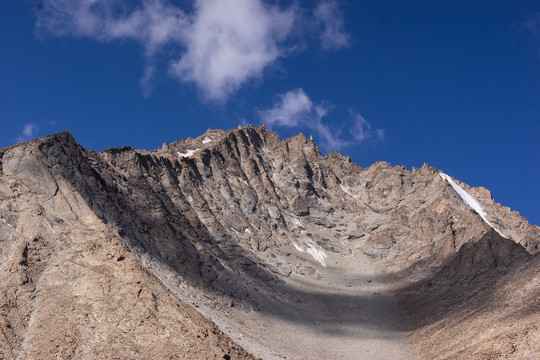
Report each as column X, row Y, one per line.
column 153, row 23
column 28, row 132
column 220, row 45
column 296, row 109
column 333, row 35
column 230, row 42
column 292, row 109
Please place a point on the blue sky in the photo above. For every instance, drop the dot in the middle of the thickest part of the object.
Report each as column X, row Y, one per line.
column 452, row 83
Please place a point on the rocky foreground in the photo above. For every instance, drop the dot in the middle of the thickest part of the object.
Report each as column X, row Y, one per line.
column 239, row 245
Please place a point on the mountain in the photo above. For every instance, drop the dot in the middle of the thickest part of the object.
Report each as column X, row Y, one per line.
column 239, row 245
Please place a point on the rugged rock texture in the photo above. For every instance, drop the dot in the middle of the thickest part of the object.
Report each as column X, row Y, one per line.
column 130, row 253
column 70, row 287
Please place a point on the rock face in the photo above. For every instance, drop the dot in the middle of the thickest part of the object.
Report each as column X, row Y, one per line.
column 176, row 252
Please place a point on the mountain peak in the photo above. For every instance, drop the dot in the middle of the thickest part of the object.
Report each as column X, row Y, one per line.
column 216, row 234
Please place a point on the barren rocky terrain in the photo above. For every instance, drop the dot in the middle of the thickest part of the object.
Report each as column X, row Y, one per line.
column 238, row 245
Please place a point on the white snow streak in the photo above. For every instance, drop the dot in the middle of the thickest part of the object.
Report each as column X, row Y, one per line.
column 298, row 247
column 469, row 200
column 224, row 265
column 243, row 181
column 318, row 254
column 206, row 140
column 347, row 191
column 187, row 153
column 292, row 171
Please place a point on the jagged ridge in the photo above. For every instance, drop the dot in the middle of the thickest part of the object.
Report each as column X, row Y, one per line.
column 230, row 212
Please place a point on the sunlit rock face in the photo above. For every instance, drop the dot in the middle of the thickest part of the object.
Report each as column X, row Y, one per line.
column 188, row 248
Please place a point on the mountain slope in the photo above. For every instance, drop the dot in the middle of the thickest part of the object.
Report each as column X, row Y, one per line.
column 259, row 235
column 70, row 286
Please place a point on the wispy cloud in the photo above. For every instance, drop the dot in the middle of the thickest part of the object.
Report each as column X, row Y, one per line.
column 220, row 44
column 333, row 35
column 292, row 109
column 153, row 23
column 533, row 24
column 146, row 80
column 28, row 132
column 296, row 109
column 361, row 129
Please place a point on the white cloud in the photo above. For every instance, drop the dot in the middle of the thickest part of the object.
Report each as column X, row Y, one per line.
column 220, row 45
column 333, row 36
column 296, row 109
column 292, row 109
column 361, row 129
column 28, row 132
column 153, row 23
column 146, row 80
column 229, row 42
column 533, row 24
column 226, row 42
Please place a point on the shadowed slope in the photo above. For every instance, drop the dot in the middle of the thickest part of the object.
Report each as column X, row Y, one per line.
column 247, row 227
column 70, row 287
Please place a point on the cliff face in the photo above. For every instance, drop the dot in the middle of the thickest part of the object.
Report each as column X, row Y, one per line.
column 132, row 252
column 70, row 287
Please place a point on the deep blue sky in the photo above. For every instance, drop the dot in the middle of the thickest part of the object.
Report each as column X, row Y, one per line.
column 452, row 83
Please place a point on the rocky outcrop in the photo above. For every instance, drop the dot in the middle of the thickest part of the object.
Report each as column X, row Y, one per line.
column 70, row 287
column 125, row 249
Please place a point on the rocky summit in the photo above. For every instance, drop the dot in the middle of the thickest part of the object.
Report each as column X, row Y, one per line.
column 239, row 245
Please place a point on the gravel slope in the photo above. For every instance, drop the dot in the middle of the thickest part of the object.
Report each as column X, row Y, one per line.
column 348, row 313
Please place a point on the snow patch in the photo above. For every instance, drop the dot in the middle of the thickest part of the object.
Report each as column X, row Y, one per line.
column 292, row 171
column 298, row 247
column 317, row 253
column 243, row 181
column 247, row 231
column 187, row 153
column 347, row 191
column 469, row 200
column 206, row 140
column 224, row 265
